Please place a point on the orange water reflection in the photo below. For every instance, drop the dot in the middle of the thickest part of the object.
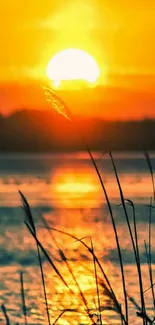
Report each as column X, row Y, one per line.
column 75, row 203
column 76, row 188
column 81, row 263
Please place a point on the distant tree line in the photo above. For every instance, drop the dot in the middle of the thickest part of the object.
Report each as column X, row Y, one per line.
column 48, row 131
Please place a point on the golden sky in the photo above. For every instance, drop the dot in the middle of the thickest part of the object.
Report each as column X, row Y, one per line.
column 119, row 34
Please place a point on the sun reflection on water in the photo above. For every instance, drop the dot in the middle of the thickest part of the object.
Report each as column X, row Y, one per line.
column 76, row 188
column 69, row 199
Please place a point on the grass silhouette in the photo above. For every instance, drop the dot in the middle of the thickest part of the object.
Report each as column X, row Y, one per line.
column 103, row 282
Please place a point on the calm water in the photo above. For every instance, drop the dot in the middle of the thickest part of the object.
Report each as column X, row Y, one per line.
column 65, row 190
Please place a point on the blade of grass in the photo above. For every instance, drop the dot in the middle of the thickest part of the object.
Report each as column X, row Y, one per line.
column 134, row 303
column 64, row 258
column 96, row 280
column 5, row 314
column 131, row 236
column 62, row 313
column 116, row 306
column 137, row 247
column 115, row 231
column 150, row 226
column 97, row 261
column 107, row 293
column 87, row 247
column 135, row 228
column 151, row 171
column 27, row 211
column 23, row 297
column 31, row 224
column 145, row 318
column 150, row 253
column 149, row 270
column 59, row 317
column 47, row 256
column 136, row 237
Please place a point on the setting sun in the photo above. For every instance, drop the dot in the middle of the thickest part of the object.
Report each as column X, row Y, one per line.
column 72, row 64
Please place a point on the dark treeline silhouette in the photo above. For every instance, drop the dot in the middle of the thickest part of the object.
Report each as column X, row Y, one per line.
column 47, row 131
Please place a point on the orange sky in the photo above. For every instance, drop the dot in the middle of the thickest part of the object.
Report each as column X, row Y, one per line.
column 118, row 34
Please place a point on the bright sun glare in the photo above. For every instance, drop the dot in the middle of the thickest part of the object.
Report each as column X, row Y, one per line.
column 72, row 64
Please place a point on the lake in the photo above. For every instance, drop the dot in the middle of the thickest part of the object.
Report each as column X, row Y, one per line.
column 65, row 190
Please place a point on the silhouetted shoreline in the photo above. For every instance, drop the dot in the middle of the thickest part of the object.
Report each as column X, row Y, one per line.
column 37, row 131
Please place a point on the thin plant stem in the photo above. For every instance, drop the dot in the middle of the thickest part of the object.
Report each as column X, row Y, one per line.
column 96, row 280
column 23, row 298
column 150, row 253
column 5, row 314
column 131, row 236
column 32, row 226
column 100, row 266
column 149, row 258
column 115, row 232
column 64, row 258
column 151, row 172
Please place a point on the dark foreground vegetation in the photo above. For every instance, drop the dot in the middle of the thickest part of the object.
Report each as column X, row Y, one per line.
column 48, row 131
column 103, row 285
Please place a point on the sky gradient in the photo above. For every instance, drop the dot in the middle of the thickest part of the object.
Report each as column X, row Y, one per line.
column 118, row 34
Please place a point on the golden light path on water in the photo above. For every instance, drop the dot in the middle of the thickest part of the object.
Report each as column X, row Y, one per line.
column 67, row 193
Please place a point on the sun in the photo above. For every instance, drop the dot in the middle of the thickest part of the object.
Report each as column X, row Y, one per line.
column 73, row 64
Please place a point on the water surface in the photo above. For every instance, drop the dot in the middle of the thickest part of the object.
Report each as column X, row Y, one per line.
column 65, row 190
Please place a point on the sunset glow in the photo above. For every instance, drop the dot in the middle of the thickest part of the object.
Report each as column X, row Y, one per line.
column 120, row 63
column 77, row 162
column 72, row 64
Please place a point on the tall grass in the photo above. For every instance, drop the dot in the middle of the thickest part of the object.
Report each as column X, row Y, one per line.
column 134, row 242
column 4, row 311
column 103, row 282
column 30, row 223
column 24, row 309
